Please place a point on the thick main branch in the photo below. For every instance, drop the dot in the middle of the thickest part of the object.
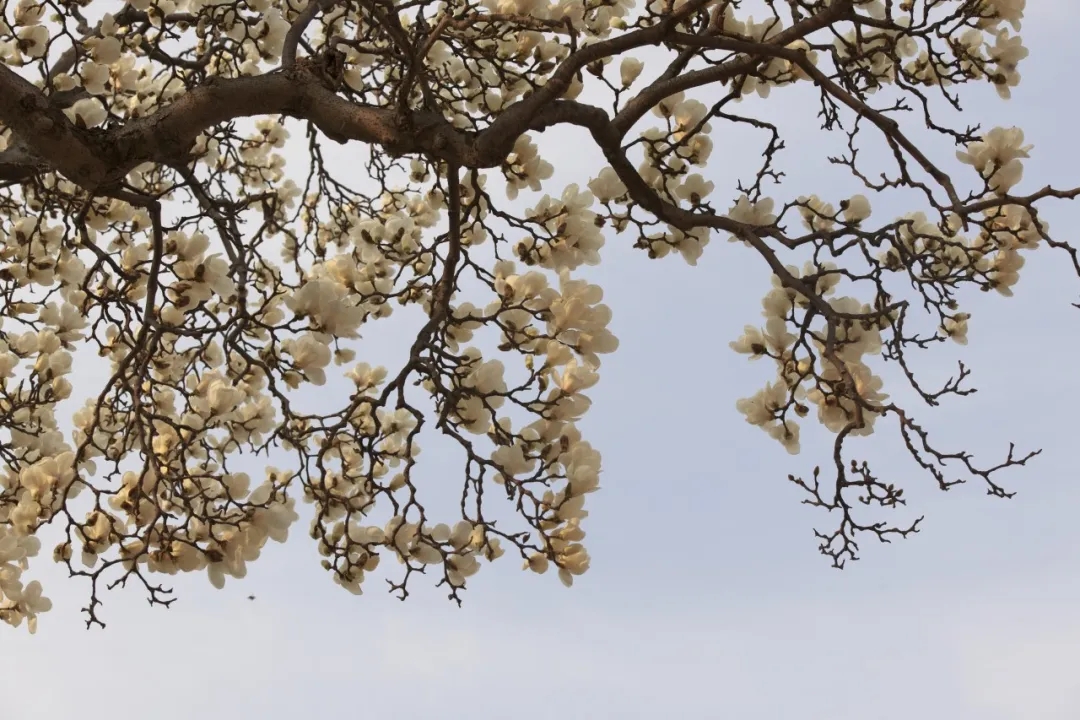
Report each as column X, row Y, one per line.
column 94, row 158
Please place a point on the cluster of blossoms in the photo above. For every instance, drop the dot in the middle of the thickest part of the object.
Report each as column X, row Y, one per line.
column 983, row 49
column 565, row 233
column 832, row 373
column 184, row 512
column 990, row 258
column 18, row 602
column 830, row 387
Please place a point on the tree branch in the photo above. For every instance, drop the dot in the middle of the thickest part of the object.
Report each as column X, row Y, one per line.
column 299, row 25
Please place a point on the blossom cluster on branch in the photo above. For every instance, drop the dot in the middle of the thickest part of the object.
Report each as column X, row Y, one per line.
column 147, row 214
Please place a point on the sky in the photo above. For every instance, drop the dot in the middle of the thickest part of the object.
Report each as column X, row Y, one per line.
column 706, row 597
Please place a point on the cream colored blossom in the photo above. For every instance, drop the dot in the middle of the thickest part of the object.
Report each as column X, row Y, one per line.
column 329, row 307
column 997, row 157
column 756, row 213
column 629, row 70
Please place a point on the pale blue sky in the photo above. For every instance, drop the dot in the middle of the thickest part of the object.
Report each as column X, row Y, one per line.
column 706, row 597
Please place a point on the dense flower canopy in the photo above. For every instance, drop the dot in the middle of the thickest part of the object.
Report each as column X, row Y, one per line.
column 147, row 215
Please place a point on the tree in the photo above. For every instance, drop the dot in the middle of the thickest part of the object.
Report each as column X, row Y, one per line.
column 147, row 215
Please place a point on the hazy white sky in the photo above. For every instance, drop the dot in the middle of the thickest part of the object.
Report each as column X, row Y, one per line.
column 706, row 598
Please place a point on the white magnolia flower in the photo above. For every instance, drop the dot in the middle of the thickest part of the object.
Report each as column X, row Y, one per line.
column 757, row 213
column 328, row 305
column 1010, row 11
column 858, row 209
column 694, row 188
column 89, row 111
column 997, row 157
column 607, row 186
column 94, row 76
column 105, row 50
column 32, row 602
column 310, row 356
column 34, row 40
column 629, row 70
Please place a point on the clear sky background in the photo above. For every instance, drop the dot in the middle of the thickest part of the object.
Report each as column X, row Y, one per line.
column 707, row 597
